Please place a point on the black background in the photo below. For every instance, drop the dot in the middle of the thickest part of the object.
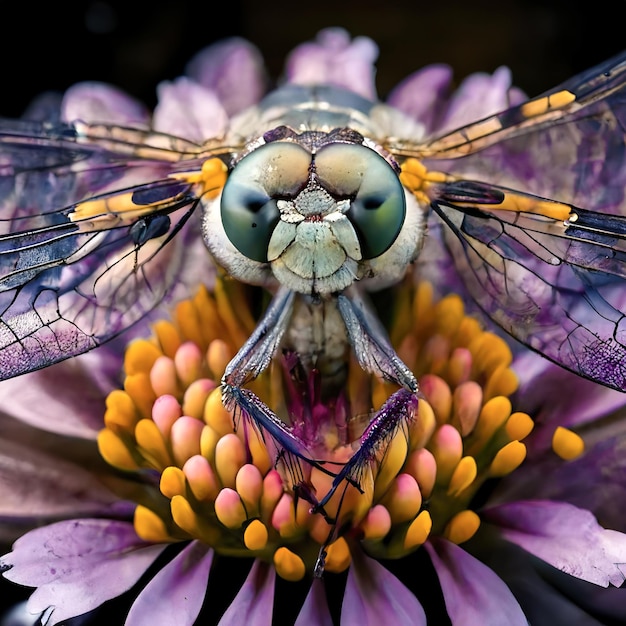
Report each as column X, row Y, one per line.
column 136, row 44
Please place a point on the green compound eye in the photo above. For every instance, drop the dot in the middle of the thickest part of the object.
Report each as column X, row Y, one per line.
column 378, row 207
column 248, row 206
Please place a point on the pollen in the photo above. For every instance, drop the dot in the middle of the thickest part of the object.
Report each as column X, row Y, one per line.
column 567, row 444
column 289, row 565
column 462, row 527
column 221, row 484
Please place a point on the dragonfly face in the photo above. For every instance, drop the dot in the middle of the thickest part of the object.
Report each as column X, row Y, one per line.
column 314, row 211
column 320, row 195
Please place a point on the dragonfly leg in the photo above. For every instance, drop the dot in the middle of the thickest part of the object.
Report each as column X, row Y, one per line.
column 251, row 360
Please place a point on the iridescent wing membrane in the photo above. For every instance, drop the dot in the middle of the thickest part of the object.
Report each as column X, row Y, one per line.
column 93, row 221
column 533, row 200
column 535, row 208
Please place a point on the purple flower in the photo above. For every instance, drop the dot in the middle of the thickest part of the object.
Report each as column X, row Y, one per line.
column 132, row 482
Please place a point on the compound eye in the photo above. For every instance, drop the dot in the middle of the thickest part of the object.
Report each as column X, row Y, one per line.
column 248, row 206
column 378, row 205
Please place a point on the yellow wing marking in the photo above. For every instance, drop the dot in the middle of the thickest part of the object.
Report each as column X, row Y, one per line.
column 539, row 106
column 423, row 184
column 211, row 178
column 415, row 177
column 119, row 209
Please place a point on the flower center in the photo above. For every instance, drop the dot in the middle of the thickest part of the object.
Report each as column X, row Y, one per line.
column 219, row 484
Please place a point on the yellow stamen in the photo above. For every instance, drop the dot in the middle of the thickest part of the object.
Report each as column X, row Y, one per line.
column 404, row 499
column 168, row 338
column 272, row 493
column 492, row 417
column 256, row 535
column 422, row 465
column 139, row 387
column 439, row 396
column 208, row 442
column 519, row 426
column 185, row 438
column 289, row 565
column 447, row 448
column 216, row 416
column 490, row 351
column 150, row 440
column 395, row 456
column 230, row 456
column 120, row 412
column 502, row 382
column 188, row 363
column 338, row 556
column 114, row 451
column 230, row 509
column 462, row 526
column 463, row 476
column 187, row 320
column 186, row 518
column 377, row 523
column 172, row 482
column 163, row 377
column 467, row 403
column 567, row 444
column 218, row 355
column 423, row 425
column 418, row 531
column 196, row 395
column 249, row 486
column 508, row 459
column 140, row 356
column 149, row 526
column 201, row 479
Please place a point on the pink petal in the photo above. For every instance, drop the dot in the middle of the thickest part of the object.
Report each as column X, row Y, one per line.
column 175, row 595
column 315, row 611
column 546, row 595
column 67, row 398
column 255, row 601
column 568, row 538
column 600, row 485
column 44, row 477
column 474, row 594
column 78, row 564
column 374, row 596
column 423, row 96
column 584, row 402
column 187, row 109
column 99, row 102
column 336, row 60
column 234, row 70
column 480, row 95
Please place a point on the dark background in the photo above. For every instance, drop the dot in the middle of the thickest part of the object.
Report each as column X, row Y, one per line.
column 135, row 44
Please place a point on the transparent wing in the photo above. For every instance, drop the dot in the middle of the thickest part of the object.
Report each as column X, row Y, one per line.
column 95, row 224
column 534, row 201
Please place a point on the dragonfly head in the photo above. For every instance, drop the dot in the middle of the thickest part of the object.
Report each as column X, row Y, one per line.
column 314, row 211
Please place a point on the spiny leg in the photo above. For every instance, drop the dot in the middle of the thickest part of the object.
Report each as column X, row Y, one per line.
column 376, row 355
column 251, row 360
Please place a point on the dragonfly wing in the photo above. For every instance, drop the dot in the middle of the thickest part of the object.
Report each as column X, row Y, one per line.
column 95, row 231
column 561, row 294
column 534, row 202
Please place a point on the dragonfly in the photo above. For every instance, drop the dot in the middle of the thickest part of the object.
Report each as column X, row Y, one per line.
column 312, row 196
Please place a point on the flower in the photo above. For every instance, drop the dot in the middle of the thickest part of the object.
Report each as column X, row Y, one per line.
column 461, row 516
